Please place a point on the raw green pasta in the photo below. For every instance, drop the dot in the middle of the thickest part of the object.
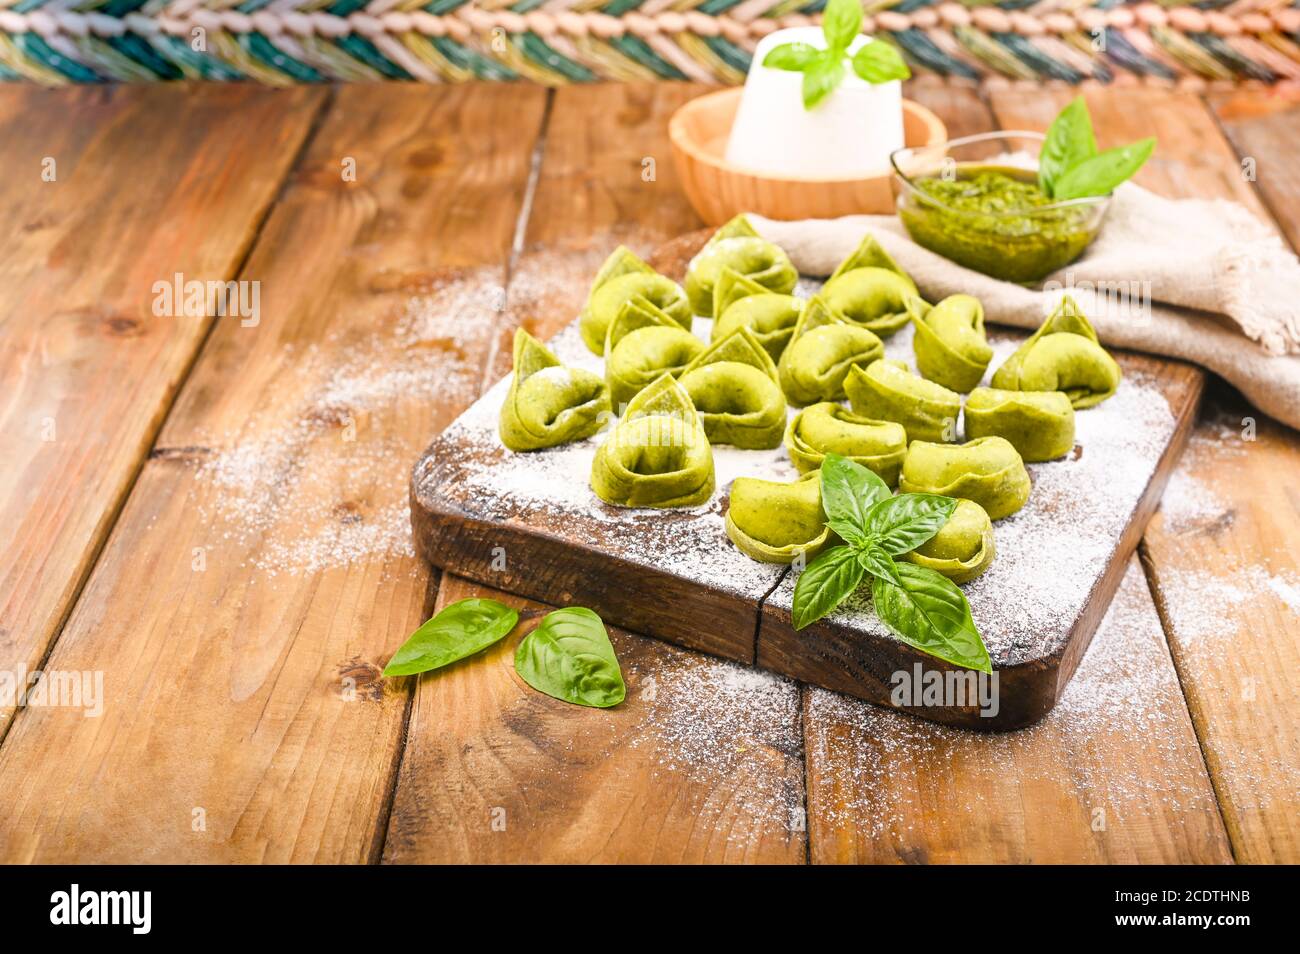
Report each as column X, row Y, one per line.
column 657, row 455
column 950, row 345
column 622, row 279
column 774, row 522
column 986, row 470
column 733, row 385
column 870, row 290
column 739, row 302
column 643, row 355
column 1062, row 355
column 963, row 547
column 887, row 390
column 828, row 428
column 1039, row 424
column 549, row 404
column 822, row 350
column 737, row 246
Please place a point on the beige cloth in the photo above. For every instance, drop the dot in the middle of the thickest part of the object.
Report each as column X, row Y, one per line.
column 1204, row 281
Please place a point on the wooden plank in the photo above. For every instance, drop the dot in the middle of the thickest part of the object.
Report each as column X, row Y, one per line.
column 1112, row 774
column 261, row 573
column 660, row 798
column 1262, row 128
column 1222, row 560
column 1225, row 565
column 148, row 182
column 701, row 764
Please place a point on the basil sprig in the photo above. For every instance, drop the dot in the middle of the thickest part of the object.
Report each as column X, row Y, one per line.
column 569, row 656
column 1069, row 165
column 823, row 70
column 923, row 608
column 459, row 630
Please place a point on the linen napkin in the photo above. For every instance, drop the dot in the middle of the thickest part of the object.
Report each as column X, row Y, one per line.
column 1200, row 280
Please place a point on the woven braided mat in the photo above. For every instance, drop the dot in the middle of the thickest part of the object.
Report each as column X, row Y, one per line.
column 562, row 41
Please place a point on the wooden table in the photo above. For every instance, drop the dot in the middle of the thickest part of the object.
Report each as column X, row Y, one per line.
column 210, row 513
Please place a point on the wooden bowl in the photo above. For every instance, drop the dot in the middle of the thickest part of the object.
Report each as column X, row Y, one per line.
column 719, row 190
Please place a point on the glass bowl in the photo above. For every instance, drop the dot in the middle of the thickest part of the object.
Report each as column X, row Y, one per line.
column 1015, row 242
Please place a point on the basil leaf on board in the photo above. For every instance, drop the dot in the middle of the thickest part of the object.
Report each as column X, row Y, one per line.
column 1100, row 174
column 850, row 533
column 841, row 23
column 569, row 656
column 459, row 630
column 791, row 56
column 901, row 524
column 879, row 564
column 822, row 76
column 879, row 62
column 1070, row 141
column 824, row 584
column 929, row 612
column 849, row 491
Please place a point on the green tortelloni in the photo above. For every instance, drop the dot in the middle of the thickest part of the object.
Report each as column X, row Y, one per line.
column 740, row 302
column 986, row 470
column 870, row 290
column 550, row 404
column 828, row 428
column 733, row 385
column 643, row 355
column 950, row 345
column 1062, row 355
column 657, row 455
column 963, row 547
column 737, row 246
column 625, row 279
column 1039, row 424
column 822, row 350
column 887, row 390
column 774, row 522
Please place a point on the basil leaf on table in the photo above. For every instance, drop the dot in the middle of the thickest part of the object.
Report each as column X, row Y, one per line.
column 849, row 491
column 901, row 524
column 569, row 656
column 824, row 583
column 459, row 630
column 1100, row 174
column 791, row 56
column 1069, row 141
column 879, row 563
column 878, row 62
column 841, row 23
column 822, row 76
column 929, row 612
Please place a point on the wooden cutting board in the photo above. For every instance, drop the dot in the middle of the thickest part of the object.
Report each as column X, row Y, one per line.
column 529, row 524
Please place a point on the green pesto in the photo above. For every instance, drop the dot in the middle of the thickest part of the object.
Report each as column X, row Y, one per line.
column 972, row 227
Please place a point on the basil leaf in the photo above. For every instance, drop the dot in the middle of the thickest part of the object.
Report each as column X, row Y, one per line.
column 1069, row 142
column 841, row 23
column 791, row 56
column 879, row 564
column 459, row 630
column 879, row 62
column 849, row 491
column 822, row 76
column 569, row 656
column 850, row 533
column 929, row 612
column 824, row 584
column 903, row 523
column 1103, row 172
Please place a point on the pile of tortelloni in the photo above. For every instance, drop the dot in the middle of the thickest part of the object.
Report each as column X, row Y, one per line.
column 770, row 349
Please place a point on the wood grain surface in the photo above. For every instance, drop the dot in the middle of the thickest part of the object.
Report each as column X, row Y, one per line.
column 261, row 573
column 107, row 190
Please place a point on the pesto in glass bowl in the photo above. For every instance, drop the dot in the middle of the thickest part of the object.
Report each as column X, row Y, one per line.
column 989, row 217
